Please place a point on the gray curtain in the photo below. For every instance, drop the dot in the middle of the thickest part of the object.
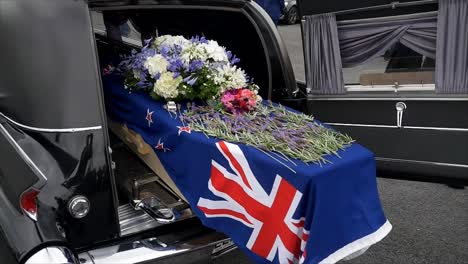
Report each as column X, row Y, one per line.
column 452, row 47
column 322, row 55
column 365, row 39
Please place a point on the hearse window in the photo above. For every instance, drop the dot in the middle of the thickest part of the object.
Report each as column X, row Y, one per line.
column 125, row 31
column 394, row 52
column 389, row 53
column 398, row 68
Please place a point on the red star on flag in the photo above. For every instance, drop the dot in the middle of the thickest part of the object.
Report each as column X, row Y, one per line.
column 149, row 117
column 160, row 146
column 186, row 129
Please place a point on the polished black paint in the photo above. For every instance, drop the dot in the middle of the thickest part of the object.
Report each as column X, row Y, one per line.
column 309, row 7
column 19, row 233
column 15, row 174
column 54, row 84
column 405, row 150
column 74, row 164
column 48, row 67
column 80, row 168
column 428, row 113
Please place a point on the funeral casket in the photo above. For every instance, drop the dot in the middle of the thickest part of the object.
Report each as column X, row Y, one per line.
column 109, row 175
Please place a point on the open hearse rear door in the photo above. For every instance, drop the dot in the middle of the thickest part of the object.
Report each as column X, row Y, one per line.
column 374, row 71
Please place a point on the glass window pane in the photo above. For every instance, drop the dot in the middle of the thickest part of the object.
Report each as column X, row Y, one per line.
column 399, row 65
column 292, row 37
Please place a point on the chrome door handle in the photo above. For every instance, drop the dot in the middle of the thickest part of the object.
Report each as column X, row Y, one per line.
column 400, row 108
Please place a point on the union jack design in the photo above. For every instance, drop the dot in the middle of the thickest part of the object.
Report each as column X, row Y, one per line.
column 275, row 231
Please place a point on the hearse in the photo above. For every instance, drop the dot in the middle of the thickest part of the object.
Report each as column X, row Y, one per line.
column 394, row 76
column 77, row 188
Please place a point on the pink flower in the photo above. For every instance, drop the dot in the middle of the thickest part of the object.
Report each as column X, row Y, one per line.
column 227, row 97
column 246, row 93
column 239, row 101
column 253, row 102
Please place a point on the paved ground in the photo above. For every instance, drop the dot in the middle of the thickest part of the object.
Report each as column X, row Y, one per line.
column 430, row 221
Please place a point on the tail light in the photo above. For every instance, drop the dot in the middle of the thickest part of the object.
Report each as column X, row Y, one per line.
column 28, row 202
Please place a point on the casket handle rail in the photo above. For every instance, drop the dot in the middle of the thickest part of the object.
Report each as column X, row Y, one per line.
column 400, row 108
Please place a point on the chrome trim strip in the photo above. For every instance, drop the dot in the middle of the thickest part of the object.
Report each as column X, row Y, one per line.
column 424, row 162
column 438, row 128
column 53, row 255
column 152, row 250
column 23, row 154
column 360, row 125
column 50, row 130
column 403, row 127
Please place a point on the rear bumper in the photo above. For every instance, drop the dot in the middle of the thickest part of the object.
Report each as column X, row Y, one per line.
column 200, row 249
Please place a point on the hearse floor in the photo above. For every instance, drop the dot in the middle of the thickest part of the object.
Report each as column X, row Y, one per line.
column 430, row 225
column 129, row 167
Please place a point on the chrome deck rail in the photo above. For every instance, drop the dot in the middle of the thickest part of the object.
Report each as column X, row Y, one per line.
column 152, row 250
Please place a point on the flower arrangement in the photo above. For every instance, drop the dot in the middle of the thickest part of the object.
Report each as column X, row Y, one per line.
column 176, row 68
column 270, row 128
column 239, row 101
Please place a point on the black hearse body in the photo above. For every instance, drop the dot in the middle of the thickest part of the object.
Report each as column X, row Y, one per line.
column 62, row 198
column 414, row 131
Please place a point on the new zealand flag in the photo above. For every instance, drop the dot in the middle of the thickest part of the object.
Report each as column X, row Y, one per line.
column 277, row 211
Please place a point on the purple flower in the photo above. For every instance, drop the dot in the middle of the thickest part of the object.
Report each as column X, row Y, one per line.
column 175, row 75
column 165, row 51
column 195, row 65
column 198, row 39
column 177, row 49
column 192, row 81
column 143, row 84
column 148, row 41
column 156, row 76
column 229, row 54
column 143, row 76
column 175, row 65
column 234, row 60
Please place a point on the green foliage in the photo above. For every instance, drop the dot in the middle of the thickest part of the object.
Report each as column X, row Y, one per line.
column 204, row 88
column 270, row 128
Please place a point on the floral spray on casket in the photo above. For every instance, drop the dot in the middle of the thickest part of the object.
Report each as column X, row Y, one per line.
column 174, row 68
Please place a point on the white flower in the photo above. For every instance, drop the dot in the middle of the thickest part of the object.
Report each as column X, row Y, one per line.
column 136, row 74
column 204, row 51
column 170, row 41
column 156, row 64
column 193, row 51
column 259, row 99
column 215, row 51
column 167, row 86
column 228, row 77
